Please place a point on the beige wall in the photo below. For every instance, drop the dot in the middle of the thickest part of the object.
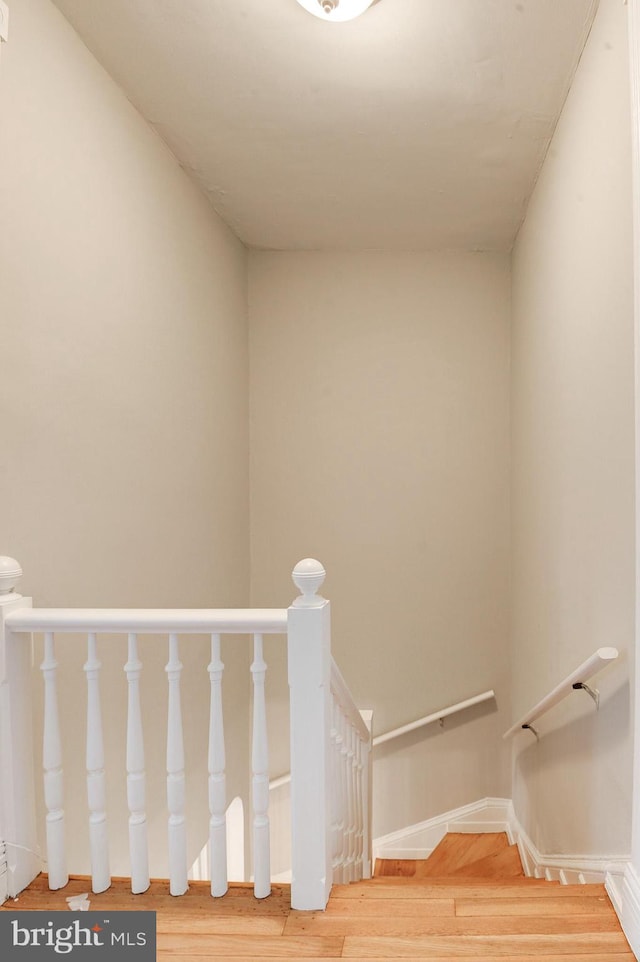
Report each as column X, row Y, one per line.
column 124, row 475
column 380, row 444
column 573, row 511
column 379, row 439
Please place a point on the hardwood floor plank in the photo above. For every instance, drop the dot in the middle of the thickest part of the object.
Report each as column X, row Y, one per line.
column 323, row 924
column 504, row 864
column 568, row 957
column 479, row 947
column 397, row 908
column 180, row 923
column 256, row 947
column 170, row 956
column 463, row 888
column 397, row 868
column 576, row 905
column 458, row 849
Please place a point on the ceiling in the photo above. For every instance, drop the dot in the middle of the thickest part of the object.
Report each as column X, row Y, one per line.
column 420, row 125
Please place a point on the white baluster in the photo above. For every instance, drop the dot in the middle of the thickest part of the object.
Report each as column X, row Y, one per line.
column 344, row 775
column 53, row 774
column 336, row 839
column 178, row 868
column 260, row 767
column 342, row 797
column 352, row 803
column 366, row 786
column 96, row 793
column 138, row 844
column 354, row 781
column 358, row 792
column 217, row 788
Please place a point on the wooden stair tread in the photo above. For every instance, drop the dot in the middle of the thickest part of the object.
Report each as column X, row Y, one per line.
column 505, row 864
column 474, row 855
column 457, row 849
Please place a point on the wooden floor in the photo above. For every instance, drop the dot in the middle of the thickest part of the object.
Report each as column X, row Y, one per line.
column 468, row 901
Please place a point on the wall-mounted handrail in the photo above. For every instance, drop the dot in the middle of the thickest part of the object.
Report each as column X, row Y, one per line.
column 577, row 679
column 434, row 716
column 410, row 727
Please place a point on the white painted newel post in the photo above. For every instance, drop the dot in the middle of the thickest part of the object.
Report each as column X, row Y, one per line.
column 309, row 634
column 18, row 837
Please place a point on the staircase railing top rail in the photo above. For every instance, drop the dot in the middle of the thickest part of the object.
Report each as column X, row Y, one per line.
column 576, row 680
column 150, row 620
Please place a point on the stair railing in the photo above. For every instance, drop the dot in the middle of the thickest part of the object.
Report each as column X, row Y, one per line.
column 330, row 744
column 576, row 681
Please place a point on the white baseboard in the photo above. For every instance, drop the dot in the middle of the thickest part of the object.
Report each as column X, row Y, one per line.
column 497, row 815
column 419, row 841
column 629, row 914
column 568, row 869
column 4, row 877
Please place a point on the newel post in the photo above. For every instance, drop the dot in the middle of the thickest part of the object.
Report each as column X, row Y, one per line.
column 309, row 637
column 18, row 838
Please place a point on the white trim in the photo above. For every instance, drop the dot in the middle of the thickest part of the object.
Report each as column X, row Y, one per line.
column 568, row 869
column 4, row 868
column 614, row 884
column 630, row 914
column 497, row 815
column 419, row 840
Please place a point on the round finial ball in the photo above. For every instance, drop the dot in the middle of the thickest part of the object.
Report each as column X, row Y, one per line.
column 308, row 576
column 10, row 574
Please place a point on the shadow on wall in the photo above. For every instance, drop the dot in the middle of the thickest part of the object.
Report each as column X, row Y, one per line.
column 563, row 781
column 435, row 729
column 438, row 768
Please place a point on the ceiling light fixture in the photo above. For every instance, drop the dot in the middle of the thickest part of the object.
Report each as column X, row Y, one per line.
column 336, row 10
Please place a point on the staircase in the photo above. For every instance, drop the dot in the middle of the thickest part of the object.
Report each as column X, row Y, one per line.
column 460, row 855
column 468, row 901
column 488, row 909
